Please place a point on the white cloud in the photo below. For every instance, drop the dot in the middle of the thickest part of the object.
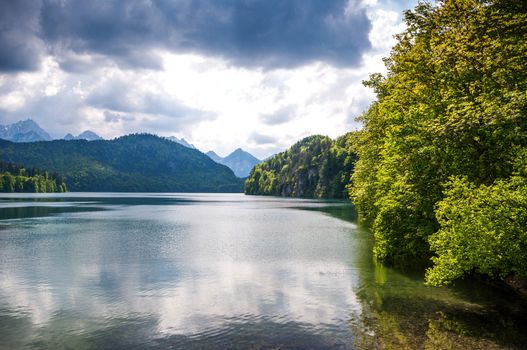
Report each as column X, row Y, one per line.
column 207, row 100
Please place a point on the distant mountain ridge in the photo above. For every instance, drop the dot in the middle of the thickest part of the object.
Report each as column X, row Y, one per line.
column 239, row 161
column 214, row 156
column 23, row 131
column 29, row 131
column 87, row 135
column 181, row 141
column 132, row 163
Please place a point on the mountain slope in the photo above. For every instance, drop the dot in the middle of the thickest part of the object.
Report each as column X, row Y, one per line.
column 212, row 155
column 23, row 131
column 239, row 161
column 85, row 135
column 181, row 141
column 315, row 167
column 135, row 163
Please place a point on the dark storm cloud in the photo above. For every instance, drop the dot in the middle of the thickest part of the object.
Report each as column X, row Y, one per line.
column 253, row 33
column 20, row 48
column 117, row 96
column 124, row 31
column 272, row 33
column 120, row 96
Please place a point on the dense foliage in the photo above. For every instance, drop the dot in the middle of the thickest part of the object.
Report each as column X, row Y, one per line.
column 16, row 178
column 443, row 155
column 315, row 167
column 483, row 228
column 131, row 163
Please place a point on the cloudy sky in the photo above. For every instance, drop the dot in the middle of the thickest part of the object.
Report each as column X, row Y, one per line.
column 256, row 74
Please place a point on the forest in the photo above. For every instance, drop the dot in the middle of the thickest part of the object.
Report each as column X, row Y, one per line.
column 442, row 159
column 439, row 170
column 16, row 178
column 315, row 167
column 132, row 163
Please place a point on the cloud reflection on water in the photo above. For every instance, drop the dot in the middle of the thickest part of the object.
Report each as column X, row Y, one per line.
column 82, row 271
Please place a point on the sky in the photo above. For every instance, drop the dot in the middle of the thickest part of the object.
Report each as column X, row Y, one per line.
column 223, row 74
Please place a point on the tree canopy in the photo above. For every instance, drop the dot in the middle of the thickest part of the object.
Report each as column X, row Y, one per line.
column 132, row 163
column 315, row 167
column 443, row 154
column 17, row 178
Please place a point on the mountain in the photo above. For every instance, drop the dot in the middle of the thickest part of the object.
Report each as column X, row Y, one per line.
column 315, row 167
column 181, row 141
column 132, row 163
column 239, row 161
column 214, row 156
column 23, row 131
column 85, row 135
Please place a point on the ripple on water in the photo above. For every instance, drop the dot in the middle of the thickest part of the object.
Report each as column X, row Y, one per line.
column 134, row 271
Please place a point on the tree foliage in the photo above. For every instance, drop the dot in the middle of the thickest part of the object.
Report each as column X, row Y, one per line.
column 16, row 178
column 315, row 167
column 133, row 163
column 483, row 229
column 453, row 105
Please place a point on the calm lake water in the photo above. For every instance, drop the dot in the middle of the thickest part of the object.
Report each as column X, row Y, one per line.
column 141, row 271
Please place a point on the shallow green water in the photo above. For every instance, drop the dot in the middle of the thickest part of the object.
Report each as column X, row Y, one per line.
column 139, row 271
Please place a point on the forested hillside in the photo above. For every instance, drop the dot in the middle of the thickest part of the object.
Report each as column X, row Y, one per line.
column 442, row 169
column 16, row 178
column 133, row 163
column 315, row 167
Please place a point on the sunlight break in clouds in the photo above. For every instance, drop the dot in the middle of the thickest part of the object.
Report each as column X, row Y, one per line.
column 258, row 75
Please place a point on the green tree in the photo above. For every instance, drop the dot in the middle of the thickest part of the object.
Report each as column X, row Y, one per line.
column 19, row 184
column 16, row 178
column 315, row 167
column 130, row 163
column 483, row 229
column 9, row 183
column 452, row 104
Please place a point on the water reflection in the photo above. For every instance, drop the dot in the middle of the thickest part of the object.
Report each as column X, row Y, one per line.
column 226, row 300
column 215, row 272
column 399, row 312
column 222, row 271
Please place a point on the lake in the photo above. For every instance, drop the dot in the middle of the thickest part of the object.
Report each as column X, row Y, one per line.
column 223, row 271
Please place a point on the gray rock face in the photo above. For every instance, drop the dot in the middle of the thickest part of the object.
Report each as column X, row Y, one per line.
column 23, row 131
column 181, row 141
column 212, row 155
column 88, row 135
column 239, row 161
column 85, row 135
